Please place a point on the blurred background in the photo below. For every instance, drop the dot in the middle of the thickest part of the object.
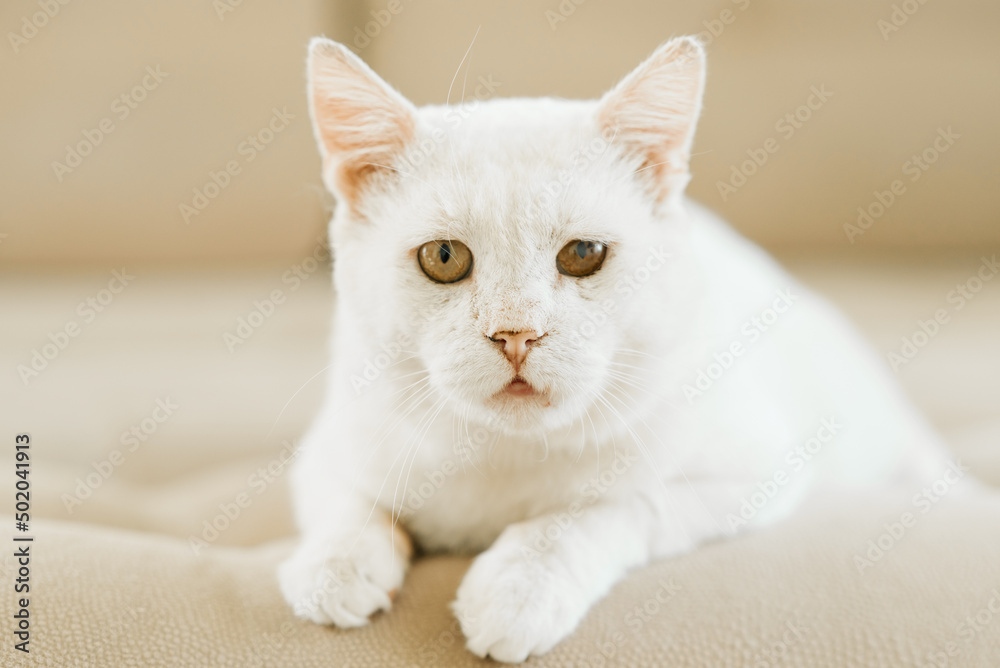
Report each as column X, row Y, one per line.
column 170, row 143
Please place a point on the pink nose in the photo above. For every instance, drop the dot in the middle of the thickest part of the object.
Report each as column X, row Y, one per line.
column 515, row 345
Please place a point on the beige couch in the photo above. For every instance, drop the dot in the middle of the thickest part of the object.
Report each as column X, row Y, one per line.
column 128, row 570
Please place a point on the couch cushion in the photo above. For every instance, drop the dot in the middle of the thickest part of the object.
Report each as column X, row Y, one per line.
column 791, row 595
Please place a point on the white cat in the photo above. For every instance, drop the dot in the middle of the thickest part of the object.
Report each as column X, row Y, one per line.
column 543, row 351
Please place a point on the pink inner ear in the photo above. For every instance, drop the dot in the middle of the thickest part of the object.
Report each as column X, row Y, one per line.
column 362, row 123
column 653, row 111
column 659, row 154
column 358, row 144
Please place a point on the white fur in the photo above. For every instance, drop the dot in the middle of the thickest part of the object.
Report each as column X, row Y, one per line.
column 622, row 467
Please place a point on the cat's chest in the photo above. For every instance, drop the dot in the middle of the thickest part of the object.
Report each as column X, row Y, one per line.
column 458, row 503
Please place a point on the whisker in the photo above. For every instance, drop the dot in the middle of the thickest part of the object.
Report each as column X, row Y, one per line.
column 311, row 378
column 437, row 408
column 583, row 435
column 378, row 497
column 448, row 98
column 640, row 444
column 628, row 366
column 639, row 353
column 642, row 169
column 611, row 431
column 631, row 380
column 545, row 444
column 417, row 397
column 674, row 463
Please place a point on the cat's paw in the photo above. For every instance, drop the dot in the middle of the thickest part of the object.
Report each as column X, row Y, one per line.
column 345, row 580
column 511, row 607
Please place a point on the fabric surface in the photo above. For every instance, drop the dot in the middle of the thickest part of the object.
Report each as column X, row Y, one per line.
column 790, row 596
column 118, row 581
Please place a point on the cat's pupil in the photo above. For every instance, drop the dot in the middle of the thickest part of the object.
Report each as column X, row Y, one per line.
column 581, row 249
column 445, row 253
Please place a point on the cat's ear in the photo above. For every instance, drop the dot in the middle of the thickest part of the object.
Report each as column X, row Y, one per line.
column 653, row 111
column 361, row 123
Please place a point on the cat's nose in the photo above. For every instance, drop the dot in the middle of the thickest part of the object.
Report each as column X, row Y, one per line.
column 515, row 345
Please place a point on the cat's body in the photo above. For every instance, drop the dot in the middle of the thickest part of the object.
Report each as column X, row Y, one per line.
column 686, row 390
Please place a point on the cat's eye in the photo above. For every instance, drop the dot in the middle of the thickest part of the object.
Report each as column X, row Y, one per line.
column 581, row 258
column 445, row 261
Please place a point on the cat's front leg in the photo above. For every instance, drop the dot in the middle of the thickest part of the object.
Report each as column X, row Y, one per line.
column 532, row 587
column 344, row 572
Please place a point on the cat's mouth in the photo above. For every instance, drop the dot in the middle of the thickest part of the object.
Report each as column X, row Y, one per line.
column 518, row 403
column 519, row 388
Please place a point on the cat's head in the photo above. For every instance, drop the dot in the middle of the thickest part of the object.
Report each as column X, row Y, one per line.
column 516, row 249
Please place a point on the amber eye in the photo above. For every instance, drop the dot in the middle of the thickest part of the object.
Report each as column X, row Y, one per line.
column 445, row 261
column 581, row 258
